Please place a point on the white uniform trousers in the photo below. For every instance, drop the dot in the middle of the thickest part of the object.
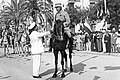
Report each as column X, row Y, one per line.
column 36, row 64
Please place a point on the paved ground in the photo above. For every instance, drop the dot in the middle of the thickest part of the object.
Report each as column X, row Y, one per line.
column 87, row 66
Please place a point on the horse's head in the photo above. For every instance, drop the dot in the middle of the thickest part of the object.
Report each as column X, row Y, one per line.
column 59, row 29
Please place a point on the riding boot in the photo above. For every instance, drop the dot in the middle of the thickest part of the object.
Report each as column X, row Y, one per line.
column 56, row 70
column 63, row 70
column 63, row 74
column 55, row 73
column 71, row 69
column 66, row 66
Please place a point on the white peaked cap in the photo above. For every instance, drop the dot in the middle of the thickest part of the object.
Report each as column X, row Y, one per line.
column 32, row 25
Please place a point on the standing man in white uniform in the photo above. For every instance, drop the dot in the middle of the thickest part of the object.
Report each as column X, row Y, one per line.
column 36, row 48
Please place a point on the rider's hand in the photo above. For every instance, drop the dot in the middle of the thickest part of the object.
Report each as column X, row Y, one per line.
column 51, row 31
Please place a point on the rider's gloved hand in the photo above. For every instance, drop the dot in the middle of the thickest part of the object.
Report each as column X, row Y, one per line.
column 51, row 31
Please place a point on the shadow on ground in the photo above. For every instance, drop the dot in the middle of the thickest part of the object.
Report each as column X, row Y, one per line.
column 96, row 78
column 4, row 77
column 112, row 68
column 78, row 68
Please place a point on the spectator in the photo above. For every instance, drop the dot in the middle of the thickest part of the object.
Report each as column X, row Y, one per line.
column 99, row 41
column 113, row 40
column 104, row 48
column 107, row 41
column 95, row 42
column 118, row 41
column 87, row 42
column 78, row 36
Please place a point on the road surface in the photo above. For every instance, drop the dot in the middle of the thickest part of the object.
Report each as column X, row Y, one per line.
column 86, row 65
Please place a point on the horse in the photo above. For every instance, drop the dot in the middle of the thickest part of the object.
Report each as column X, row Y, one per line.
column 59, row 42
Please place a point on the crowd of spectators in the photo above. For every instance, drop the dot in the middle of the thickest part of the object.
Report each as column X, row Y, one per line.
column 107, row 41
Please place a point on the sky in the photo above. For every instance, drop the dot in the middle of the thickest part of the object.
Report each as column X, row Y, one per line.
column 65, row 2
column 6, row 1
column 85, row 2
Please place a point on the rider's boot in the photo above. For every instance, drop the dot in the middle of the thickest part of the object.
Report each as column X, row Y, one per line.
column 55, row 73
column 71, row 69
column 66, row 66
column 63, row 74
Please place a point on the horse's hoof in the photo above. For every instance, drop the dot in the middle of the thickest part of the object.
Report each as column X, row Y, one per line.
column 62, row 75
column 54, row 75
column 71, row 69
column 65, row 70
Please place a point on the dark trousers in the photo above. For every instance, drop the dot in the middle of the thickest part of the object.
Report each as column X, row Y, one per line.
column 108, row 47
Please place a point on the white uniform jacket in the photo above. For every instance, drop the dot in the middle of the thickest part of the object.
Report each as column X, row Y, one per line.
column 36, row 42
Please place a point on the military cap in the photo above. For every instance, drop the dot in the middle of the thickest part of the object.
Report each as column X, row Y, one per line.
column 58, row 5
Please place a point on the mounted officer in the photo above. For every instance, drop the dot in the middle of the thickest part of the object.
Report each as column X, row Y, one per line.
column 64, row 17
column 60, row 32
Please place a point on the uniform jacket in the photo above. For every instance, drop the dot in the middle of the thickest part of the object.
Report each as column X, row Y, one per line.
column 36, row 42
column 63, row 16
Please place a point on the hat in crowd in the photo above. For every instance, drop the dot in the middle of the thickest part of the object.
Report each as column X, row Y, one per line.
column 32, row 25
column 58, row 5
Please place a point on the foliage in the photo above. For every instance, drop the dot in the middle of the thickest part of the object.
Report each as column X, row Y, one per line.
column 38, row 8
column 73, row 13
column 114, row 9
column 14, row 12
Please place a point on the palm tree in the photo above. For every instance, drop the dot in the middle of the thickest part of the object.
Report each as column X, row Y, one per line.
column 40, row 8
column 15, row 12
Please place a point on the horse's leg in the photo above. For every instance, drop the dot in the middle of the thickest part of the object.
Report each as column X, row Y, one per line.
column 62, row 62
column 65, row 54
column 66, row 65
column 70, row 57
column 70, row 52
column 56, row 62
